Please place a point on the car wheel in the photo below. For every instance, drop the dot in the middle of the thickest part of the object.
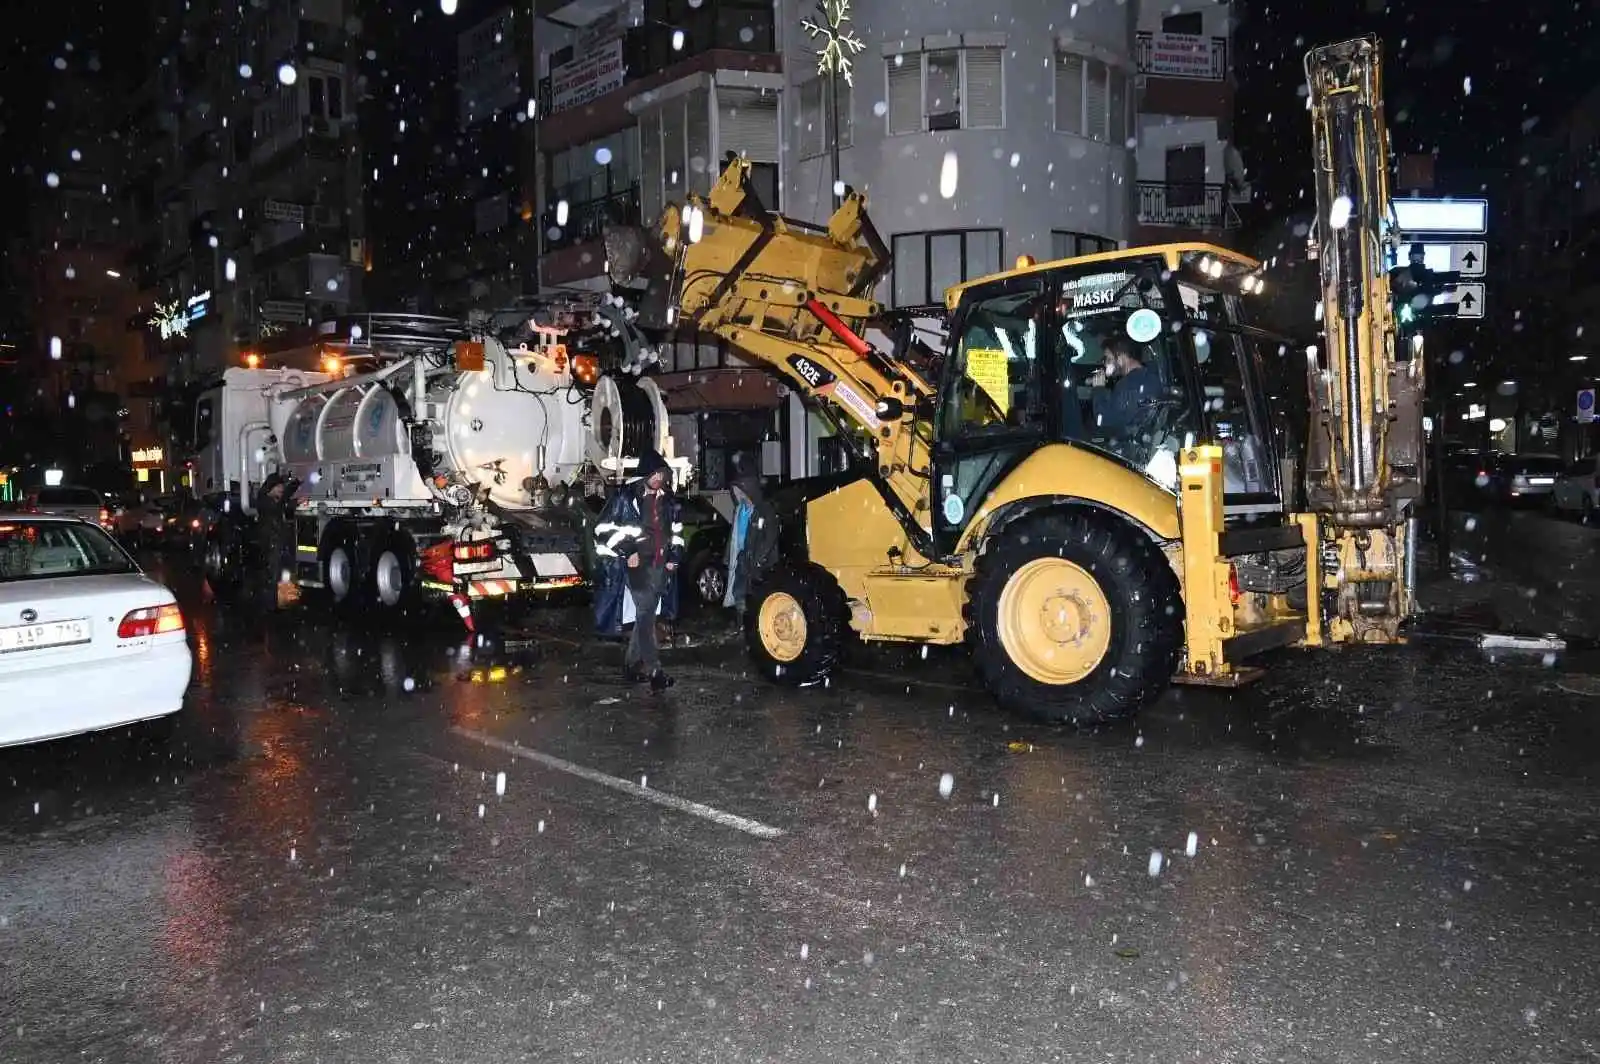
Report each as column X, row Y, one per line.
column 708, row 579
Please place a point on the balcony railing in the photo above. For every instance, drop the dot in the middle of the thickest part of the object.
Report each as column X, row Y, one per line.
column 1191, row 205
column 587, row 221
column 648, row 49
column 1182, row 55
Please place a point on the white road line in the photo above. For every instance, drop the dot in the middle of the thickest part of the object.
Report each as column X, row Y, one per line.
column 671, row 801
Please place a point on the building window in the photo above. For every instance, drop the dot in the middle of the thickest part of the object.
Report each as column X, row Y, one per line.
column 1186, row 176
column 594, row 170
column 1092, row 99
column 925, row 264
column 815, row 114
column 1067, row 245
column 949, row 88
column 1190, row 22
column 673, row 141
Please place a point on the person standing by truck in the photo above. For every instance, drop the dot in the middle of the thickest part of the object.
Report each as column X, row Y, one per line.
column 752, row 544
column 642, row 526
column 274, row 535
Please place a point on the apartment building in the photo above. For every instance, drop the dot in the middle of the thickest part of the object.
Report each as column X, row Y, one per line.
column 448, row 136
column 248, row 176
column 979, row 134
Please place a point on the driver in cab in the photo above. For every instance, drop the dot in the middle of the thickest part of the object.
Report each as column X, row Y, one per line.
column 1125, row 392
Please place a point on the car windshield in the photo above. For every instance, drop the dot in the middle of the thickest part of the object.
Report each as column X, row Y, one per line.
column 34, row 550
column 1537, row 464
column 68, row 497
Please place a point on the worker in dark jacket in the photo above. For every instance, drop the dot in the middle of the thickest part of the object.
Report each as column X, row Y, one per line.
column 273, row 536
column 753, row 543
column 643, row 527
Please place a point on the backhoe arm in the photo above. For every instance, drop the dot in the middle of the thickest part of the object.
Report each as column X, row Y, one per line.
column 1364, row 455
column 795, row 298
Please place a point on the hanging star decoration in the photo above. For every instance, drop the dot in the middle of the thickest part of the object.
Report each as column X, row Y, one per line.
column 839, row 42
column 170, row 319
column 268, row 328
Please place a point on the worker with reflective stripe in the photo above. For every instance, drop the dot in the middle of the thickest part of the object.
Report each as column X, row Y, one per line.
column 641, row 526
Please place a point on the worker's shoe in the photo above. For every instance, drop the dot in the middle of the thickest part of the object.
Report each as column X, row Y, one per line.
column 660, row 681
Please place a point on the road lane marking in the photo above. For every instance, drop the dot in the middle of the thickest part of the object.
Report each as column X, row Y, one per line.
column 671, row 801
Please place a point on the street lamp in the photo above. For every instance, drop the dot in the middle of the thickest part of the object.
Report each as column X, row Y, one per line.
column 837, row 44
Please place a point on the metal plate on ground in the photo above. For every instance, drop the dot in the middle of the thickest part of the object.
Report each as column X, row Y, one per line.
column 1580, row 683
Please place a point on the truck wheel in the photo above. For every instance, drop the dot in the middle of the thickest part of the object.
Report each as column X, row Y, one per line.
column 341, row 575
column 1075, row 619
column 795, row 625
column 219, row 560
column 394, row 573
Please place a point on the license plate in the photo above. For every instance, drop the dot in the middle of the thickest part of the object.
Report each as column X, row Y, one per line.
column 50, row 634
column 1541, row 480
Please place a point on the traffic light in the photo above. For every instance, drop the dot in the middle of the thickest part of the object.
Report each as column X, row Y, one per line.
column 1416, row 290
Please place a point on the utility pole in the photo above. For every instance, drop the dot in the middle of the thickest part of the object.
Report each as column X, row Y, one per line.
column 837, row 43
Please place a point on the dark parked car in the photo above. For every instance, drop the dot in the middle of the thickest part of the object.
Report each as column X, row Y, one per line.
column 1522, row 479
column 705, row 555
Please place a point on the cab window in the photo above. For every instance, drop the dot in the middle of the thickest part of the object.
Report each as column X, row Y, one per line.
column 1000, row 381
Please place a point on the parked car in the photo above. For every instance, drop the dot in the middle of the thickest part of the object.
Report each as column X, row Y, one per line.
column 1577, row 489
column 86, row 504
column 87, row 640
column 705, row 552
column 1522, row 479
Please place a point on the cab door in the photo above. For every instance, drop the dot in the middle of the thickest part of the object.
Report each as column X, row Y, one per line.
column 996, row 402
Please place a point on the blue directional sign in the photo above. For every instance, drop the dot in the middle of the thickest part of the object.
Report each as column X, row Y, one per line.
column 1585, row 405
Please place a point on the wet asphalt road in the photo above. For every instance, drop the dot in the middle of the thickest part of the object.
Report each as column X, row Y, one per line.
column 1394, row 857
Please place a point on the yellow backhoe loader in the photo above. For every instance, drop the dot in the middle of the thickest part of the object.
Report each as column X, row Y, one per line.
column 1090, row 541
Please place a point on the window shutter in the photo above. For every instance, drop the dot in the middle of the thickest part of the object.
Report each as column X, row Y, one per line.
column 905, row 94
column 847, row 117
column 812, row 133
column 985, row 90
column 747, row 123
column 943, row 105
column 1069, row 94
column 1119, row 108
column 1095, row 99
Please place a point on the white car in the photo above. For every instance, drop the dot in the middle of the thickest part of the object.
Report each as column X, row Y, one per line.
column 67, row 501
column 87, row 641
column 1577, row 490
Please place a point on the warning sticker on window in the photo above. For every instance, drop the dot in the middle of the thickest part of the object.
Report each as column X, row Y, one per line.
column 986, row 367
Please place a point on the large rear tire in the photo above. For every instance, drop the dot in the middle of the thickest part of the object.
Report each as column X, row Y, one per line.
column 1076, row 618
column 796, row 624
column 343, row 580
column 394, row 573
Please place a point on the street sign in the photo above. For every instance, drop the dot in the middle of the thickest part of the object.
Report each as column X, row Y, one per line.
column 1585, row 405
column 1468, row 299
column 1441, row 215
column 1464, row 257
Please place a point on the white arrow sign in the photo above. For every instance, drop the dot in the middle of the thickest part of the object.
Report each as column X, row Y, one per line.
column 1464, row 257
column 1469, row 300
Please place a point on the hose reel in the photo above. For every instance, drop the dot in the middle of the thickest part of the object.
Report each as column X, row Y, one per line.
column 627, row 417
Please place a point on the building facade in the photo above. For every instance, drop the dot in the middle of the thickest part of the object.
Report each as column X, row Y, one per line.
column 1025, row 129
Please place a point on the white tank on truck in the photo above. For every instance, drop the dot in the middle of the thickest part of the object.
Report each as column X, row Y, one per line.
column 444, row 457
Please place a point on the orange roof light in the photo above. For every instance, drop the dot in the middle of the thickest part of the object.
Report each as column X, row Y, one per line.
column 252, row 360
column 332, row 365
column 586, row 368
column 1024, row 261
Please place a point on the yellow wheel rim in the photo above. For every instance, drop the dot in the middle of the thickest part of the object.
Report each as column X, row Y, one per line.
column 782, row 625
column 1055, row 621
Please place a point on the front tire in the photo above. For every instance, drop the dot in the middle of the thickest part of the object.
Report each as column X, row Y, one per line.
column 222, row 564
column 707, row 581
column 796, row 621
column 1076, row 618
